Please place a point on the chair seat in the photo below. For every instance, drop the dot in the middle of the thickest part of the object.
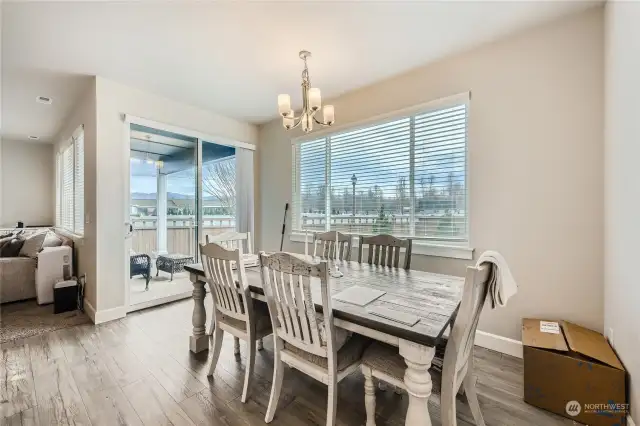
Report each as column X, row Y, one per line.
column 348, row 355
column 261, row 315
column 341, row 335
column 386, row 359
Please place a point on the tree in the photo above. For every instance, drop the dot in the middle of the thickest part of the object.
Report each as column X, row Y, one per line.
column 219, row 180
column 401, row 192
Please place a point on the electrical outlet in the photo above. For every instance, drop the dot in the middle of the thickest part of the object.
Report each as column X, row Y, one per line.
column 610, row 336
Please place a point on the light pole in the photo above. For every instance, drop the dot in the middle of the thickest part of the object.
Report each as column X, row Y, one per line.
column 354, row 179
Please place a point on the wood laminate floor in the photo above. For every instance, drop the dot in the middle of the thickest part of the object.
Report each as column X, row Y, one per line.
column 139, row 371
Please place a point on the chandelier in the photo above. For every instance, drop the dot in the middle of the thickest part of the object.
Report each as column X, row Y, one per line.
column 311, row 103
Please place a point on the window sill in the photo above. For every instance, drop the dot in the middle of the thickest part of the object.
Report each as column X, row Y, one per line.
column 419, row 247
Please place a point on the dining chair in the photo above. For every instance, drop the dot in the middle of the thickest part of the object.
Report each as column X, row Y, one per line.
column 326, row 241
column 385, row 363
column 303, row 338
column 235, row 311
column 232, row 240
column 384, row 250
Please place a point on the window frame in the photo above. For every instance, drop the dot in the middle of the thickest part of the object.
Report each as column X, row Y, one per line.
column 460, row 249
column 71, row 144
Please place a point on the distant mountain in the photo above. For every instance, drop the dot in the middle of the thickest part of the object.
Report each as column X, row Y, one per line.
column 170, row 196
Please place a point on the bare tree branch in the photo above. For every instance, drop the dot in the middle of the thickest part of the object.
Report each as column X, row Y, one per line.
column 219, row 180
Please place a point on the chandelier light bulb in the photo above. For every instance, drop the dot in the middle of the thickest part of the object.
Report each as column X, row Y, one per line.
column 314, row 99
column 284, row 104
column 328, row 114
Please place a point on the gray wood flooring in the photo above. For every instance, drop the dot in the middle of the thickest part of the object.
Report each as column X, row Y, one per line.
column 139, row 371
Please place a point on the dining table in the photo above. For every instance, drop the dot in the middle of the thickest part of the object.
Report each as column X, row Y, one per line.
column 428, row 300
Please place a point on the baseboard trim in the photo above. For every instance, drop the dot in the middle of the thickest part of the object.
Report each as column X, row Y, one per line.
column 89, row 310
column 106, row 315
column 499, row 344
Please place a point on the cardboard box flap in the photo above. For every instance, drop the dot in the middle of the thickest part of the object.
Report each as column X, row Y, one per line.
column 543, row 334
column 591, row 344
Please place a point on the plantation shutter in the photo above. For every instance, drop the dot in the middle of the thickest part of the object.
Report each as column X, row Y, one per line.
column 440, row 171
column 67, row 188
column 78, row 191
column 309, row 178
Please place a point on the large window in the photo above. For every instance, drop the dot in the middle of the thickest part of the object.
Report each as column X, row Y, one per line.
column 70, row 185
column 404, row 176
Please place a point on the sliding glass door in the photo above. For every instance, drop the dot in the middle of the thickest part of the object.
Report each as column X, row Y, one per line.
column 163, row 206
column 181, row 188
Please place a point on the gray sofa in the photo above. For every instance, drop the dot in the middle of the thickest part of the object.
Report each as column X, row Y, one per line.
column 18, row 273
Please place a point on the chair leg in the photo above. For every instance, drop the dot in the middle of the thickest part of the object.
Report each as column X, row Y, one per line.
column 260, row 345
column 472, row 397
column 332, row 401
column 448, row 401
column 248, row 373
column 369, row 396
column 276, row 386
column 236, row 346
column 218, row 335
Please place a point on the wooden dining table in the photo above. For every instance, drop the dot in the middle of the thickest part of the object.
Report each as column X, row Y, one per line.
column 432, row 298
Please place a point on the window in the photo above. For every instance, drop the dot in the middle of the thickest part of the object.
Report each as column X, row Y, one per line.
column 404, row 176
column 70, row 185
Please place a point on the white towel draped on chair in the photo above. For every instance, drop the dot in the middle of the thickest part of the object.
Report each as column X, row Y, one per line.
column 502, row 286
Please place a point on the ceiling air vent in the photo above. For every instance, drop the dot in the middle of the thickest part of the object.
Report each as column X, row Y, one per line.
column 44, row 100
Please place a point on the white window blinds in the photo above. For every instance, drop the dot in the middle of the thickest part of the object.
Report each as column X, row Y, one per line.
column 70, row 185
column 78, row 180
column 404, row 176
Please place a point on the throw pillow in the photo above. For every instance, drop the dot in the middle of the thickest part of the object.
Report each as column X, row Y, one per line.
column 8, row 234
column 12, row 248
column 4, row 240
column 51, row 240
column 33, row 245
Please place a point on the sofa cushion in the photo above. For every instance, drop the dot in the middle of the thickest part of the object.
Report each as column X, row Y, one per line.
column 33, row 245
column 12, row 248
column 52, row 240
column 18, row 278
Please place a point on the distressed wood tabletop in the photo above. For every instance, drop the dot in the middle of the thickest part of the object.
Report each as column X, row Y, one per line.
column 433, row 298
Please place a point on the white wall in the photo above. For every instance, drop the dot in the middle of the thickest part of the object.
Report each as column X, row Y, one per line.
column 622, row 187
column 535, row 163
column 112, row 164
column 84, row 113
column 27, row 173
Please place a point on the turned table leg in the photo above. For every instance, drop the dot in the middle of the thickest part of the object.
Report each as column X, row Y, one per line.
column 418, row 381
column 199, row 341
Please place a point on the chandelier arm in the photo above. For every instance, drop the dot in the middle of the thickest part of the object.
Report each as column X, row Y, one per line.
column 320, row 122
column 296, row 122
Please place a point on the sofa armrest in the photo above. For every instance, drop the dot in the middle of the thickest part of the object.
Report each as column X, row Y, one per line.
column 17, row 278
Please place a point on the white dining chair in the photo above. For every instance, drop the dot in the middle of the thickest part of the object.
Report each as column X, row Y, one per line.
column 384, row 250
column 232, row 240
column 324, row 245
column 385, row 363
column 304, row 339
column 235, row 311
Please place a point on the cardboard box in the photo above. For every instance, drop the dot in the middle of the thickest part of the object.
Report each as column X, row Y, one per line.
column 572, row 371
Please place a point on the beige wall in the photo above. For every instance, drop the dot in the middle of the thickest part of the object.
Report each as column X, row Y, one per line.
column 535, row 163
column 84, row 113
column 27, row 172
column 114, row 100
column 622, row 188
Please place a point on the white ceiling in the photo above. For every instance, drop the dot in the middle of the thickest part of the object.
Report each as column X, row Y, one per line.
column 233, row 58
